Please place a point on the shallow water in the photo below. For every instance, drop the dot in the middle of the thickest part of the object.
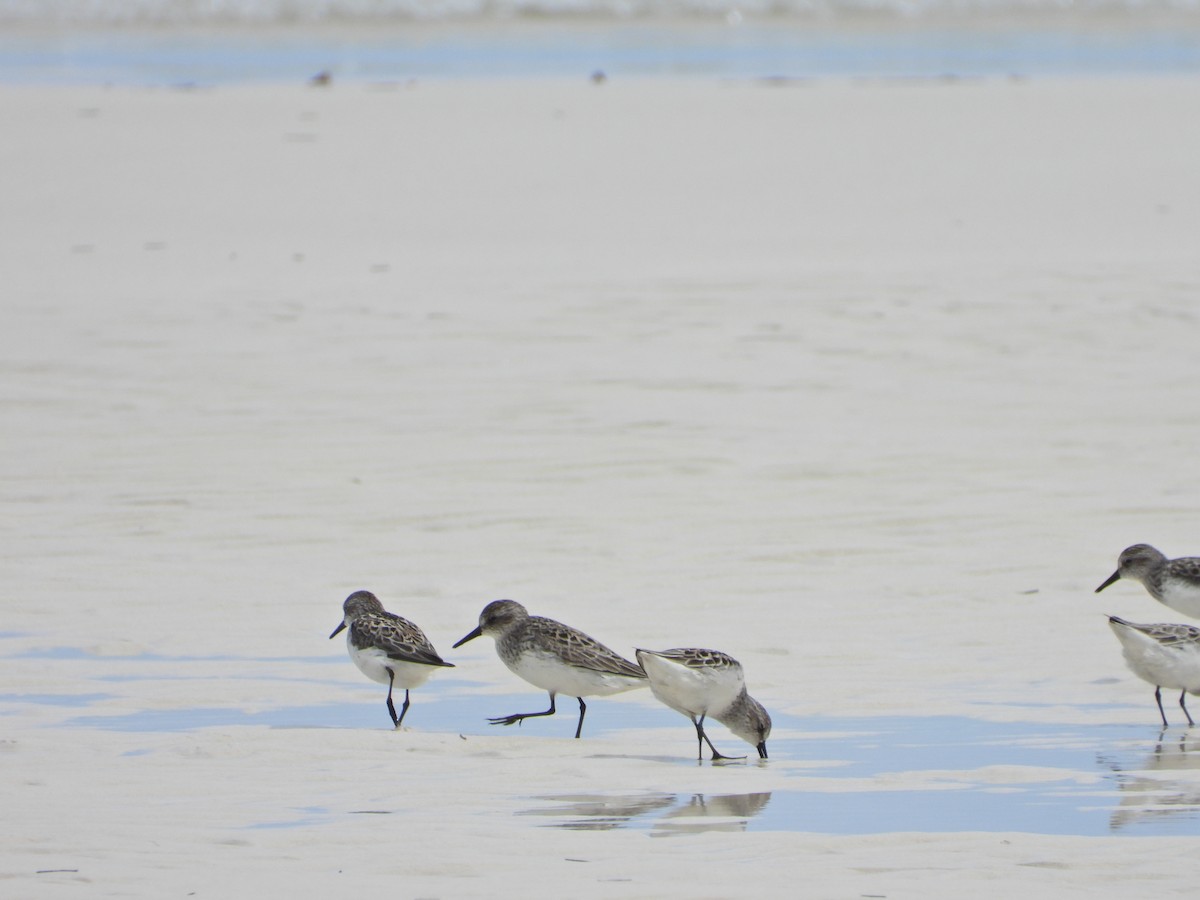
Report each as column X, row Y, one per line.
column 939, row 774
column 851, row 775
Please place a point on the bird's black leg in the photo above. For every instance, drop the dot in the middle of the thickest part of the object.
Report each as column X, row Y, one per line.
column 1182, row 696
column 403, row 709
column 1158, row 698
column 392, row 706
column 516, row 718
column 700, row 738
column 582, row 713
column 716, row 754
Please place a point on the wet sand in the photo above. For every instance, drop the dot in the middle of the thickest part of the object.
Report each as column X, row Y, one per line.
column 866, row 383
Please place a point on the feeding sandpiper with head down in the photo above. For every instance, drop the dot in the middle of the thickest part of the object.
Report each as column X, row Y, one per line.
column 387, row 648
column 1172, row 582
column 555, row 657
column 702, row 683
column 1164, row 655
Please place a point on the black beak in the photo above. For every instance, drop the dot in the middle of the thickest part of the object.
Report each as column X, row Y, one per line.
column 1111, row 578
column 470, row 637
column 337, row 630
column 762, row 750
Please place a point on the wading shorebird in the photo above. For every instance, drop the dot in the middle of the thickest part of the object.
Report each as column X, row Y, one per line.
column 387, row 648
column 1166, row 656
column 703, row 683
column 555, row 657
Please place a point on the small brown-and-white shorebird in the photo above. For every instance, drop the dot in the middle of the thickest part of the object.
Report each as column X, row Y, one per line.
column 555, row 657
column 387, row 648
column 702, row 683
column 1164, row 655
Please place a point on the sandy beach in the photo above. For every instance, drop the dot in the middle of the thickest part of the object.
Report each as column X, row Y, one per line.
column 864, row 382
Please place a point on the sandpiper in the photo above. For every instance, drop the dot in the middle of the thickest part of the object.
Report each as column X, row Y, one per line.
column 702, row 683
column 1166, row 656
column 555, row 657
column 387, row 648
column 1172, row 582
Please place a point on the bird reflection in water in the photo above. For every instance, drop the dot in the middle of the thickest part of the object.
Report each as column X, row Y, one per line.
column 1163, row 785
column 722, row 812
column 663, row 813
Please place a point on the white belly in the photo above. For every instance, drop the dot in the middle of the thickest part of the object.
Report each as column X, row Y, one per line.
column 1177, row 668
column 696, row 692
column 374, row 663
column 551, row 674
column 1182, row 597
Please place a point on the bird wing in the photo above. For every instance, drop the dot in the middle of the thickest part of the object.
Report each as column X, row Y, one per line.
column 698, row 658
column 580, row 649
column 399, row 638
column 1187, row 568
column 1170, row 635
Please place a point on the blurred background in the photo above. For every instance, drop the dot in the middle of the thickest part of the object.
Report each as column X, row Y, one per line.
column 209, row 42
